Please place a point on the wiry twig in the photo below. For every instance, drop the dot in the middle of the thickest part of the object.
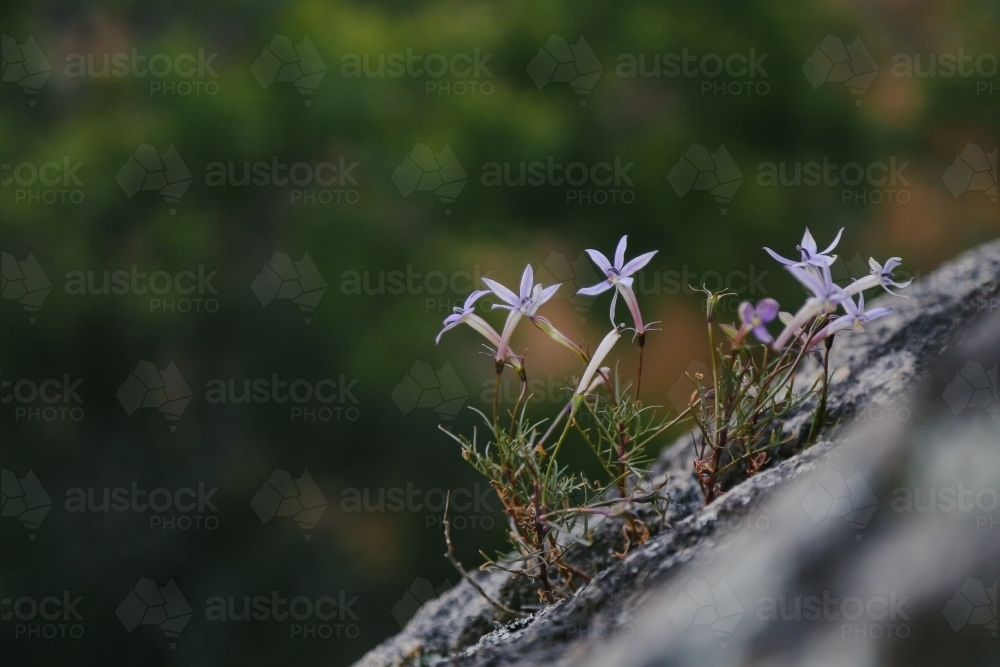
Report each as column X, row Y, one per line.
column 461, row 570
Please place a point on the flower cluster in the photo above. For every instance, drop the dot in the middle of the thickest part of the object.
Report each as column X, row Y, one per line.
column 738, row 412
column 813, row 271
column 531, row 296
column 545, row 502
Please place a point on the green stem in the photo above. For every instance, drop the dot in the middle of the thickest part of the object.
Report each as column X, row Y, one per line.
column 496, row 393
column 820, row 416
column 673, row 422
column 715, row 376
column 517, row 406
column 555, row 450
column 638, row 381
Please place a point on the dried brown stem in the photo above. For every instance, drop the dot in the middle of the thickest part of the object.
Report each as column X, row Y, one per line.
column 461, row 570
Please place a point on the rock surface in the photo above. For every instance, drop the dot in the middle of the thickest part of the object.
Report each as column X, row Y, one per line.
column 830, row 522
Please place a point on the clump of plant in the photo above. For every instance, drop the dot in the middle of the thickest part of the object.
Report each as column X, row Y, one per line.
column 737, row 412
column 550, row 508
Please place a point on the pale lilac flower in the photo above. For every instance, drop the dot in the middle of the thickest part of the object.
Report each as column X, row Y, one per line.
column 810, row 255
column 619, row 275
column 466, row 315
column 595, row 362
column 880, row 276
column 825, row 299
column 855, row 317
column 527, row 302
column 754, row 319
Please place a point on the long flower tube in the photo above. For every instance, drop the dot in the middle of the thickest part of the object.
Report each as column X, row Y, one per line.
column 465, row 314
column 880, row 276
column 549, row 330
column 526, row 302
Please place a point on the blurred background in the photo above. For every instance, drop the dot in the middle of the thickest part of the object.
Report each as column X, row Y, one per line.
column 231, row 231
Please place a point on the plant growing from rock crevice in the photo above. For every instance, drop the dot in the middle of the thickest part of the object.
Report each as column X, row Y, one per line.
column 738, row 412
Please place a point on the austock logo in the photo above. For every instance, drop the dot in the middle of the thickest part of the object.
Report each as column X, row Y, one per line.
column 423, row 169
column 973, row 604
column 974, row 170
column 283, row 496
column 195, row 71
column 834, row 496
column 869, row 617
column 52, row 182
column 185, row 508
column 147, row 387
column 576, row 274
column 833, row 62
column 193, row 288
column 322, row 400
column 881, row 182
column 948, row 65
column 974, row 387
column 48, row 617
column 701, row 171
column 584, row 183
column 442, row 291
column 683, row 390
column 298, row 64
column 461, row 66
column 546, row 388
column 24, row 500
column 558, row 62
column 285, row 279
column 944, row 65
column 700, row 604
column 423, row 387
column 470, row 508
column 163, row 173
column 741, row 70
column 164, row 607
column 24, row 282
column 24, row 65
column 311, row 183
column 47, row 400
column 409, row 607
column 322, row 617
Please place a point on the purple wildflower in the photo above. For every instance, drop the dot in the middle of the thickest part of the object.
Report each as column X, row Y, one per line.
column 619, row 275
column 826, row 296
column 810, row 255
column 754, row 318
column 855, row 317
column 880, row 276
column 526, row 302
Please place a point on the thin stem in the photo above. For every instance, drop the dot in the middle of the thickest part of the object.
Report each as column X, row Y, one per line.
column 498, row 365
column 517, row 406
column 540, row 537
column 574, row 571
column 496, row 395
column 820, row 416
column 715, row 375
column 461, row 570
column 610, row 389
column 666, row 426
column 638, row 379
column 555, row 450
column 555, row 422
